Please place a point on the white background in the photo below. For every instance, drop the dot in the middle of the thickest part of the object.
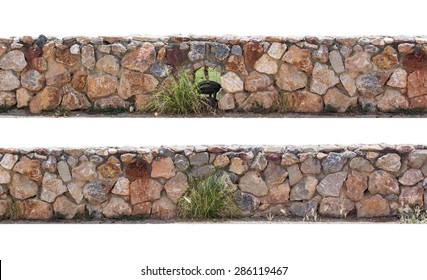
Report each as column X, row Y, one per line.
column 325, row 251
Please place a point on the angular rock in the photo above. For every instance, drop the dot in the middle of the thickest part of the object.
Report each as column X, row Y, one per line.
column 253, row 183
column 311, row 166
column 417, row 83
column 369, row 85
column 323, row 79
column 304, row 209
column 117, row 207
column 13, row 60
column 163, row 168
column 76, row 191
column 34, row 209
column 236, row 64
column 5, row 207
column 349, row 84
column 334, row 98
column 305, row 189
column 22, row 187
column 358, row 62
column 108, row 64
column 259, row 163
column 361, row 164
column 238, row 166
column 52, row 187
column 392, row 100
column 231, row 83
column 418, row 102
column 411, row 177
column 332, row 183
column 177, row 186
column 417, row 158
column 142, row 208
column 110, row 169
column 74, row 100
column 266, row 65
column 357, row 184
column 247, row 202
column 252, row 51
column 203, row 171
column 68, row 209
column 137, row 170
column 275, row 174
column 383, row 183
column 101, row 85
column 226, row 102
column 23, row 97
column 8, row 161
column 111, row 102
column 220, row 51
column 84, row 172
column 294, row 173
column 133, row 83
column 29, row 168
column 121, row 187
column 175, row 56
column 300, row 58
column 334, row 162
column 181, row 162
column 4, row 176
column 276, row 50
column 263, row 99
column 389, row 162
column 97, row 192
column 387, row 59
column 143, row 190
column 375, row 206
column 79, row 80
column 141, row 58
column 8, row 81
column 256, row 82
column 411, row 196
column 336, row 207
column 88, row 57
column 279, row 194
column 290, row 78
column 47, row 99
column 199, row 159
column 33, row 80
column 304, row 102
column 321, row 54
column 164, row 208
column 7, row 99
column 57, row 74
column 398, row 79
column 336, row 61
column 65, row 57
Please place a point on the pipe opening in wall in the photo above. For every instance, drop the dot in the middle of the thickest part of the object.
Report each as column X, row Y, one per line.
column 207, row 79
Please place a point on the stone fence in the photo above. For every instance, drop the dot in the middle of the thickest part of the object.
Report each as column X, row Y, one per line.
column 307, row 75
column 331, row 181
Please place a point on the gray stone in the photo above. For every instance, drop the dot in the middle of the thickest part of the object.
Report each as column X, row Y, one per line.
column 305, row 189
column 253, row 183
column 13, row 60
column 275, row 174
column 236, row 50
column 361, row 164
column 159, row 70
column 64, row 171
column 369, row 85
column 331, row 185
column 199, row 159
column 96, row 192
column 389, row 162
column 259, row 163
column 276, row 50
column 33, row 80
column 311, row 166
column 323, row 78
column 177, row 186
column 4, row 176
column 76, row 191
column 334, row 162
column 220, row 51
column 181, row 162
column 336, row 207
column 295, row 174
column 336, row 61
column 68, row 209
column 304, row 209
column 349, row 84
column 8, row 161
column 8, row 81
column 417, row 158
column 246, row 202
column 197, row 51
column 203, row 171
column 411, row 177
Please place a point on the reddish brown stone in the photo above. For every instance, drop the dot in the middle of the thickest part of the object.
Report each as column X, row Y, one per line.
column 137, row 170
column 256, row 82
column 279, row 194
column 132, row 83
column 357, row 183
column 39, row 63
column 101, row 85
column 375, row 206
column 414, row 61
column 65, row 57
column 163, row 168
column 79, row 80
column 175, row 56
column 30, row 168
column 164, row 208
column 141, row 58
column 418, row 102
column 417, row 83
column 305, row 102
column 32, row 52
column 143, row 208
column 48, row 99
column 143, row 190
column 111, row 169
column 252, row 51
column 236, row 64
column 34, row 209
column 411, row 196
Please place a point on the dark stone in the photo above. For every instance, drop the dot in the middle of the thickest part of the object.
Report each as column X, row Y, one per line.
column 304, row 209
column 137, row 170
column 220, row 51
column 197, row 51
column 334, row 162
column 414, row 61
column 175, row 56
column 97, row 192
column 41, row 41
column 252, row 51
column 247, row 202
column 32, row 52
column 159, row 70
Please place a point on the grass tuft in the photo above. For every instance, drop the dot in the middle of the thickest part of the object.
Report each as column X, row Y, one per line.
column 179, row 95
column 5, row 109
column 208, row 198
column 282, row 103
column 409, row 215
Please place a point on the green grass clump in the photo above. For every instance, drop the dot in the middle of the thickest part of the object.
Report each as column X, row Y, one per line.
column 5, row 109
column 281, row 105
column 179, row 95
column 409, row 215
column 208, row 198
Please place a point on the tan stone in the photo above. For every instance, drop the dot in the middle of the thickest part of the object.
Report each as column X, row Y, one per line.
column 7, row 99
column 221, row 161
column 398, row 79
column 8, row 81
column 231, row 83
column 375, row 206
column 226, row 102
column 134, row 83
column 177, row 186
column 47, row 99
column 411, row 177
column 164, row 208
column 101, row 85
column 65, row 57
column 276, row 50
column 256, row 82
column 57, row 74
column 238, row 166
column 387, row 59
column 279, row 194
column 322, row 79
column 411, row 196
column 143, row 190
column 417, row 83
column 23, row 97
column 13, row 60
column 266, row 65
column 22, row 187
column 34, row 209
column 68, row 209
column 163, row 168
column 110, row 169
column 88, row 57
column 8, row 161
column 253, row 183
column 142, row 101
column 383, row 183
column 236, row 64
column 349, row 84
column 389, row 162
column 79, row 80
column 339, row 101
column 143, row 208
column 116, row 207
column 264, row 99
column 290, row 78
column 4, row 176
column 33, row 80
column 358, row 62
column 108, row 64
column 140, row 58
column 392, row 100
column 76, row 191
column 29, row 168
column 85, row 172
column 336, row 207
column 361, row 164
column 305, row 102
column 336, row 61
column 121, row 187
column 275, row 174
column 300, row 58
column 52, row 187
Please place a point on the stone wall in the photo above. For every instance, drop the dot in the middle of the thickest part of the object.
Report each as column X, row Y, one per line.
column 330, row 181
column 311, row 74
